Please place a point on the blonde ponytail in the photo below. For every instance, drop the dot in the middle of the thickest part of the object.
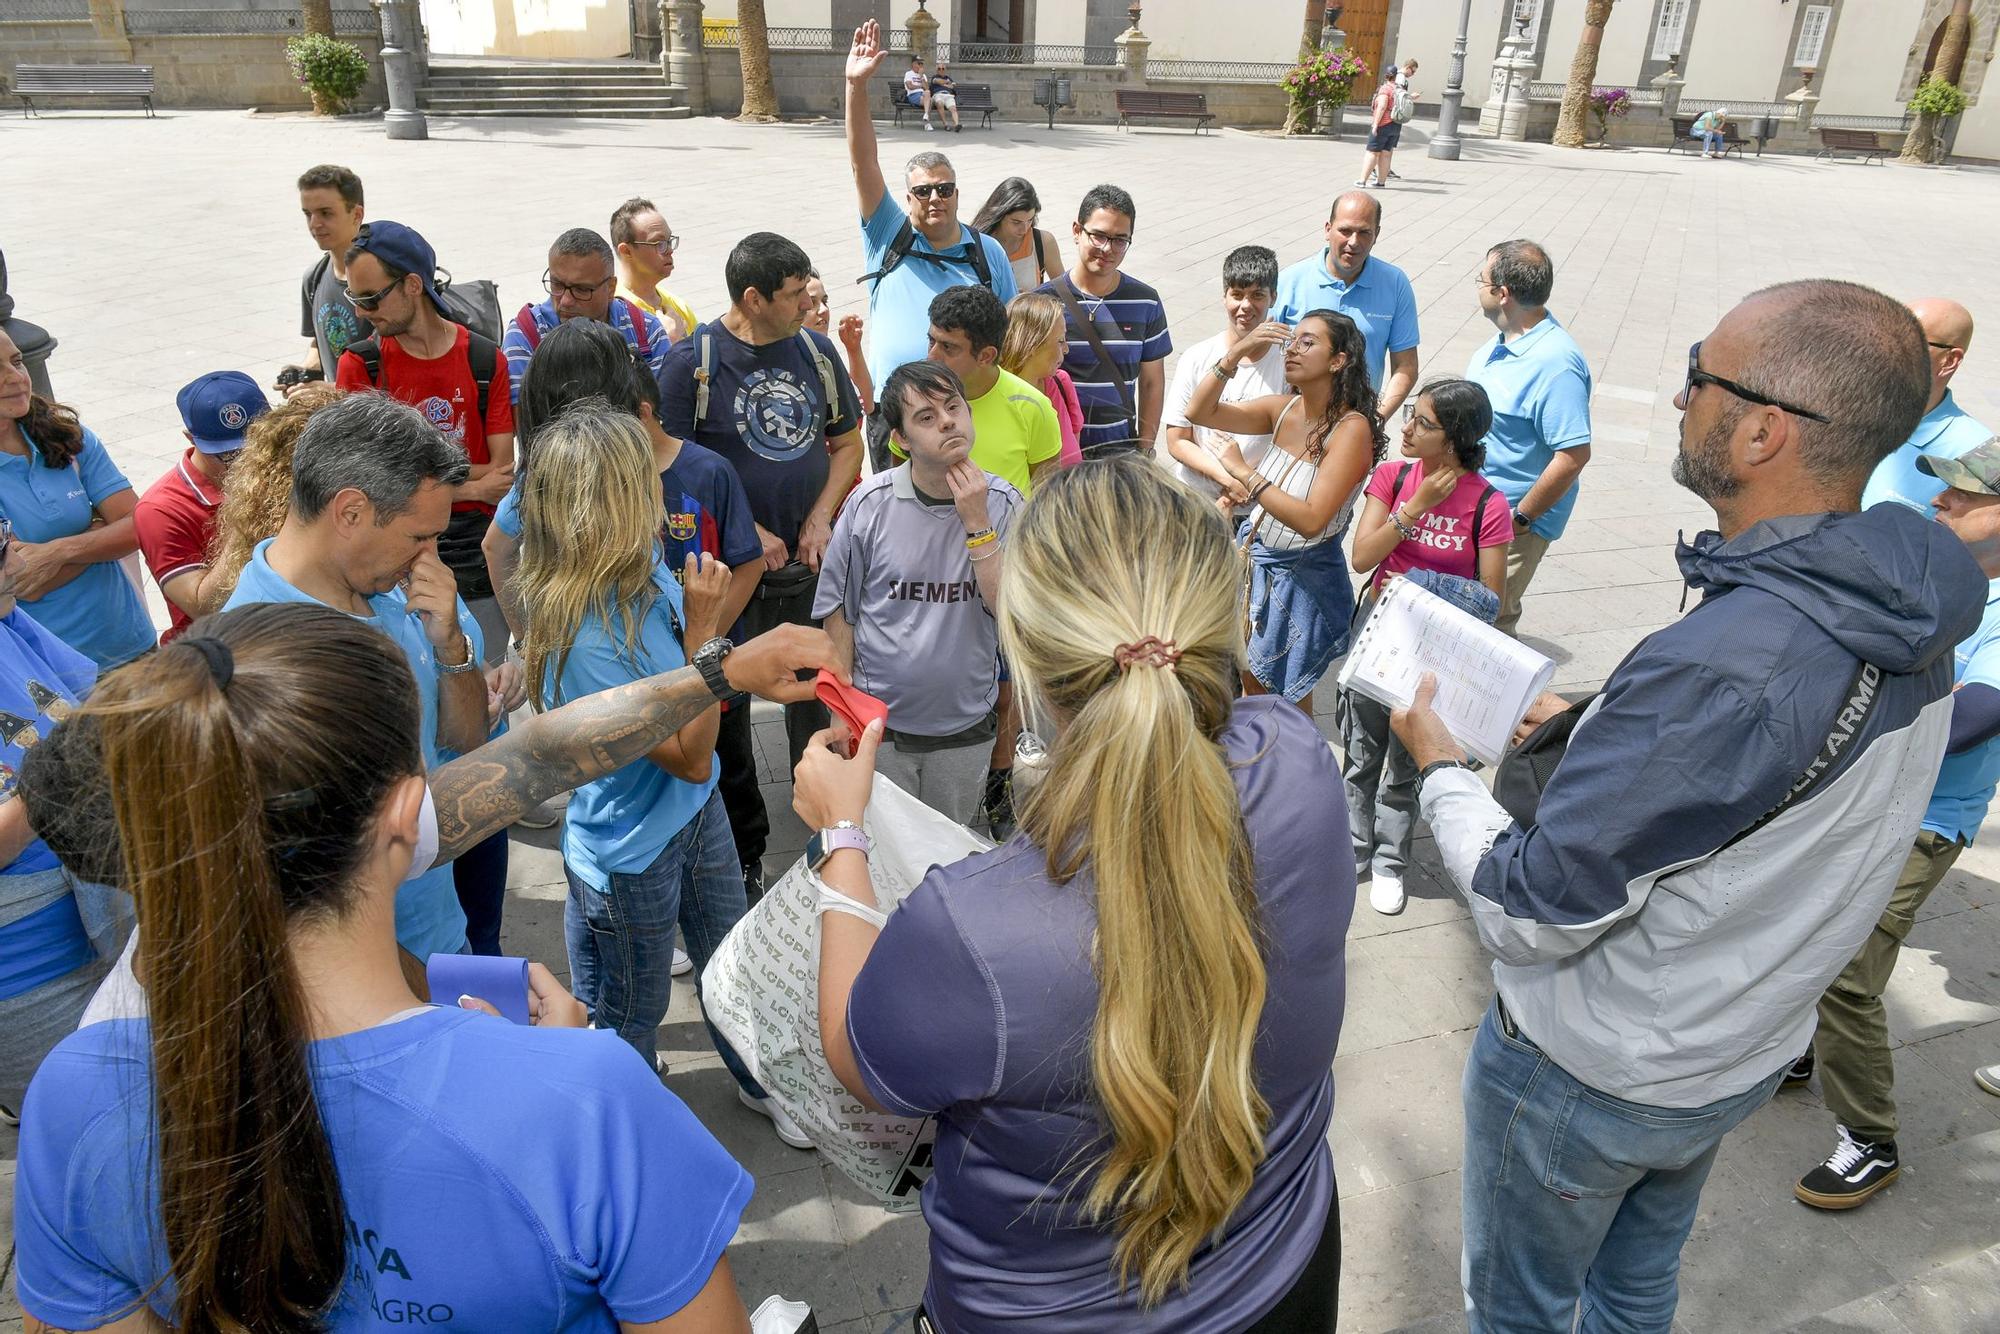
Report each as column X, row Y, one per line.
column 1139, row 794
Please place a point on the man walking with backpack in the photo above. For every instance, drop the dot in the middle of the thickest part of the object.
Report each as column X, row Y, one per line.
column 771, row 397
column 916, row 248
column 581, row 281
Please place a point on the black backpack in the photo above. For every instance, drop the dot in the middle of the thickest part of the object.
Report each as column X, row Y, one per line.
column 903, row 246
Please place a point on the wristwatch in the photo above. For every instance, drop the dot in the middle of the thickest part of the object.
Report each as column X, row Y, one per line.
column 470, row 664
column 1522, row 519
column 1433, row 767
column 844, row 834
column 708, row 661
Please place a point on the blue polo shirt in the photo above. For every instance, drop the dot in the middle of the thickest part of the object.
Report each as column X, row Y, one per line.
column 1966, row 780
column 428, row 918
column 1539, row 385
column 98, row 613
column 899, row 305
column 621, row 822
column 1380, row 301
column 1946, row 429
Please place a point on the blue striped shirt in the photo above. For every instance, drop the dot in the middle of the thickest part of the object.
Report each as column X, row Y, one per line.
column 514, row 341
column 1132, row 324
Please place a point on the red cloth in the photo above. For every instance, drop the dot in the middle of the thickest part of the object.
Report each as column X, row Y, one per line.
column 175, row 520
column 1069, row 415
column 444, row 391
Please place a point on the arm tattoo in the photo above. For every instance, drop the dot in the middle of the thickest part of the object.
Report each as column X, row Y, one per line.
column 482, row 793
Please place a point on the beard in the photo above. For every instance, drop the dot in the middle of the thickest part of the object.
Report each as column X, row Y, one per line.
column 1704, row 469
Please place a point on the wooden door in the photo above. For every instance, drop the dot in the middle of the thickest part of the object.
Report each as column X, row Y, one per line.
column 1366, row 23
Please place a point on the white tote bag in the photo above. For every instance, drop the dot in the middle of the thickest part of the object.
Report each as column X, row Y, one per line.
column 761, row 991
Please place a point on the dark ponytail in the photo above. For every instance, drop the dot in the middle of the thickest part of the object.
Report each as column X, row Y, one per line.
column 55, row 429
column 246, row 801
column 1352, row 391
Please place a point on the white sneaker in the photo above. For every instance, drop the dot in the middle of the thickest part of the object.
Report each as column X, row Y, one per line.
column 928, row 127
column 682, row 964
column 1385, row 895
column 787, row 1129
column 8, row 1117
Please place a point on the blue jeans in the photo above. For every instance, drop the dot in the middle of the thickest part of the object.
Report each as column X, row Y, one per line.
column 621, row 943
column 1572, row 1195
column 1713, row 142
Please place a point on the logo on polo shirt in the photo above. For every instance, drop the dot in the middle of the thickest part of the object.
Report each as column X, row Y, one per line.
column 233, row 416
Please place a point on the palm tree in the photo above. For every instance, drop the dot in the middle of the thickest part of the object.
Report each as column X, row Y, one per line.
column 753, row 48
column 318, row 17
column 1308, row 43
column 1923, row 140
column 1582, row 72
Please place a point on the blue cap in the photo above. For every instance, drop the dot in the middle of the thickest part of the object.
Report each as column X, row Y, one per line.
column 402, row 248
column 218, row 407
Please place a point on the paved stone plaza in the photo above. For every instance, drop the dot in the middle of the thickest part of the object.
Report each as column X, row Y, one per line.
column 193, row 218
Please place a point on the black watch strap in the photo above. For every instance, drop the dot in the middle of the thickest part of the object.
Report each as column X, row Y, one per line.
column 708, row 661
column 1436, row 765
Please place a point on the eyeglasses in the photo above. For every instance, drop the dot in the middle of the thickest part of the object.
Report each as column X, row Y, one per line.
column 665, row 247
column 1942, row 347
column 942, row 189
column 1107, row 240
column 373, row 299
column 577, row 291
column 1421, row 423
column 1697, row 377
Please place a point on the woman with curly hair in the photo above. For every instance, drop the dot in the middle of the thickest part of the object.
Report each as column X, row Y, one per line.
column 71, row 511
column 1302, row 492
column 257, row 494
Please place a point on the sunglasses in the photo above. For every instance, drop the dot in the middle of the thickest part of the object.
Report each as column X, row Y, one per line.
column 1942, row 347
column 942, row 189
column 1696, row 377
column 372, row 299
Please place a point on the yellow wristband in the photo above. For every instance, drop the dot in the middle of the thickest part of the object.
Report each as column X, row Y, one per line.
column 982, row 538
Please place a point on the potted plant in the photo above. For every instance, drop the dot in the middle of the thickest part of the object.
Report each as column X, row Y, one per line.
column 1322, row 81
column 1936, row 104
column 1607, row 105
column 332, row 71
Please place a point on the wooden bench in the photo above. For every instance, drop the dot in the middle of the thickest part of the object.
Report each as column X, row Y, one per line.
column 1865, row 142
column 976, row 99
column 32, row 81
column 1684, row 136
column 1163, row 106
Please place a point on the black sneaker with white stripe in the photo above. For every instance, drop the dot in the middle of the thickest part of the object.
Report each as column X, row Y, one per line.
column 1853, row 1172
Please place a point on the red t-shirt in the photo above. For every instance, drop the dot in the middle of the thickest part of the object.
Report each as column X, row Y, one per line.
column 444, row 391
column 1444, row 536
column 175, row 520
column 1385, row 103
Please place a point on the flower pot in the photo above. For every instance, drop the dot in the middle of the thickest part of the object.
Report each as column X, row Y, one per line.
column 1330, row 119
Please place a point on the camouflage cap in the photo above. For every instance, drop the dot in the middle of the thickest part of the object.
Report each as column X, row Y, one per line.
column 1977, row 470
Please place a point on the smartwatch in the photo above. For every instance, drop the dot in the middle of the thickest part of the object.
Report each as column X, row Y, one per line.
column 822, row 845
column 708, row 661
column 1522, row 519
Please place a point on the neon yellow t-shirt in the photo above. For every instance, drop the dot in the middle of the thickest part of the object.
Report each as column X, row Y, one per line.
column 666, row 307
column 1014, row 427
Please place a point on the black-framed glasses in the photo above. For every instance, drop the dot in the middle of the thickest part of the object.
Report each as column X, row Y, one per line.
column 1108, row 240
column 372, row 299
column 942, row 189
column 1423, row 423
column 1697, row 377
column 665, row 247
column 1942, row 347
column 577, row 291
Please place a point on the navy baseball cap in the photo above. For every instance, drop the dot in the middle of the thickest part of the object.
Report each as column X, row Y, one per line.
column 218, row 407
column 402, row 248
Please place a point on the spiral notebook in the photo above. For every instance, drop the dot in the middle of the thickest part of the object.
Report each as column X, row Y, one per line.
column 1486, row 680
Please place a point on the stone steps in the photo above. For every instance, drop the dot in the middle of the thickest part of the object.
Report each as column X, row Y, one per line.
column 625, row 89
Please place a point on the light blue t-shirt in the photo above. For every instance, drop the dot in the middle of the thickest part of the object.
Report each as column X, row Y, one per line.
column 1380, row 301
column 98, row 613
column 494, row 1177
column 1946, row 429
column 1966, row 780
column 428, row 918
column 621, row 822
column 899, row 306
column 1539, row 385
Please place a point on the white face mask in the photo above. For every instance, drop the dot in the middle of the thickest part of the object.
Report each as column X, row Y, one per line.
column 427, row 838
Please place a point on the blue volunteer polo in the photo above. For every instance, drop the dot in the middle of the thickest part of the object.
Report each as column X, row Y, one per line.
column 1380, row 301
column 1946, row 429
column 899, row 303
column 1539, row 385
column 428, row 918
column 1966, row 781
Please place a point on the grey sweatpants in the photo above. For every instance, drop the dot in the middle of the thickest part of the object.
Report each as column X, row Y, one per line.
column 1381, row 787
column 951, row 782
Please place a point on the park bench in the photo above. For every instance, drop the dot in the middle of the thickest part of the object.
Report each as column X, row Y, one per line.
column 1865, row 142
column 1685, row 137
column 32, row 81
column 976, row 99
column 1163, row 106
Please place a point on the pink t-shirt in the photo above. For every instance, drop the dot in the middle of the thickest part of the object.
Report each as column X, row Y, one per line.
column 1444, row 536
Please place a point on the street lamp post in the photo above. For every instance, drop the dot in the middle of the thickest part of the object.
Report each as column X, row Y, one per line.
column 1445, row 143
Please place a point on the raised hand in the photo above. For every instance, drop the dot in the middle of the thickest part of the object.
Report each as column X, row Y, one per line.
column 865, row 56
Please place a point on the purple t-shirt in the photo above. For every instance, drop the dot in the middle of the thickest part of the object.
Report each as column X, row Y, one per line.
column 976, row 1004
